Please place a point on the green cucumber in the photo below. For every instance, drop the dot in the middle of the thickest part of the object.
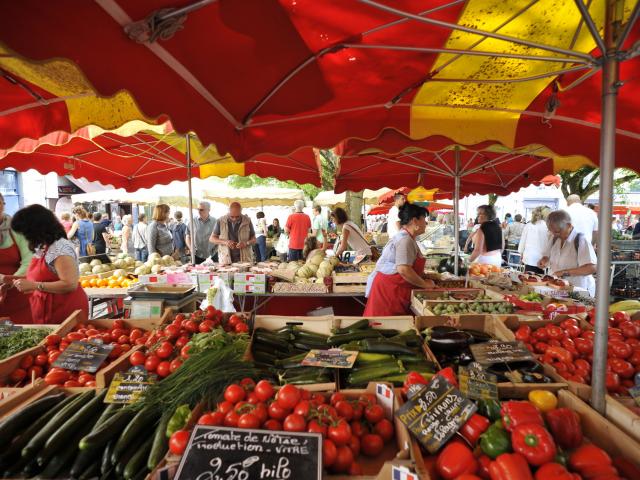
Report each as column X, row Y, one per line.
column 59, row 439
column 371, row 374
column 30, row 469
column 306, row 346
column 141, row 475
column 39, row 439
column 160, row 445
column 132, row 431
column 388, row 332
column 364, row 357
column 359, row 325
column 291, row 362
column 107, row 430
column 385, row 346
column 138, row 460
column 350, row 337
column 263, row 357
column 128, row 455
column 374, row 364
column 92, row 471
column 21, row 419
column 105, row 462
column 15, row 468
column 311, row 336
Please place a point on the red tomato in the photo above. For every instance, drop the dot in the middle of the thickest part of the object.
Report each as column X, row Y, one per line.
column 371, row 445
column 302, row 408
column 368, row 399
column 164, row 369
column 339, row 432
column 56, row 377
column 619, row 349
column 164, row 350
column 252, row 398
column 385, row 429
column 118, row 324
column 248, row 420
column 180, row 317
column 18, row 375
column 276, row 411
column 137, row 358
column 231, row 419
column 354, row 445
column 374, row 413
column 205, row 326
column 272, row 424
column 329, row 452
column 612, row 381
column 234, row 320
column 74, row 337
column 53, row 356
column 328, row 410
column 356, row 469
column 241, row 328
column 234, row 393
column 261, row 412
column 116, row 332
column 41, row 359
column 343, row 461
column 172, row 331
column 358, row 428
column 264, row 390
column 72, row 383
column 344, row 409
column 175, row 364
column 178, row 442
column 191, row 326
column 123, row 339
column 125, row 347
column 184, row 352
column 288, row 396
column 91, row 384
column 85, row 378
column 294, row 423
column 35, row 371
column 151, row 363
column 212, row 418
column 336, row 397
column 26, row 361
column 620, row 317
column 52, row 339
column 316, row 427
column 225, row 407
column 116, row 352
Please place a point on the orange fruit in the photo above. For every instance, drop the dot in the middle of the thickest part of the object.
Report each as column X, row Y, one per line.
column 113, row 283
column 93, row 282
column 103, row 282
column 85, row 283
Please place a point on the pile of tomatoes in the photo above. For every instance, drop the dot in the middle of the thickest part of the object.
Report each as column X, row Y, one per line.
column 167, row 348
column 569, row 349
column 349, row 425
column 38, row 365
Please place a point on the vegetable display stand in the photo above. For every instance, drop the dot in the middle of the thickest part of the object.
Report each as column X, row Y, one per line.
column 466, row 301
column 19, row 396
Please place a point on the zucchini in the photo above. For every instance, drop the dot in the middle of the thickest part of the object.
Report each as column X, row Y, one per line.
column 60, row 438
column 39, row 439
column 58, row 462
column 262, row 333
column 137, row 462
column 374, row 364
column 385, row 346
column 128, row 455
column 310, row 381
column 105, row 462
column 107, row 430
column 273, row 352
column 401, row 377
column 307, row 335
column 407, row 359
column 92, row 471
column 132, row 431
column 30, row 469
column 370, row 374
column 141, row 475
column 15, row 468
column 350, row 337
column 291, row 362
column 264, row 357
column 306, row 346
column 21, row 419
column 160, row 445
column 365, row 358
column 359, row 325
column 389, row 332
column 272, row 342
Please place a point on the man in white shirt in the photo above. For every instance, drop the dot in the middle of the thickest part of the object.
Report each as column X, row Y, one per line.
column 319, row 226
column 393, row 219
column 583, row 219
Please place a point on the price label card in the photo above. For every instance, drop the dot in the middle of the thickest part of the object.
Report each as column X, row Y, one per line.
column 332, row 358
column 87, row 356
column 220, row 453
column 477, row 384
column 7, row 328
column 492, row 352
column 436, row 413
column 127, row 387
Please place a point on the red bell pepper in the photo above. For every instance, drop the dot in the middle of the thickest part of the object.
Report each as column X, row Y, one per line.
column 534, row 442
column 449, row 375
column 523, row 333
column 474, row 427
column 516, row 413
column 589, row 460
column 626, row 468
column 564, row 425
column 560, row 354
column 456, row 459
column 413, row 378
column 483, row 467
column 510, row 466
column 555, row 471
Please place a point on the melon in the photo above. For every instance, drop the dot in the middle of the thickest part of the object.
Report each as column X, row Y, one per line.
column 95, row 262
column 84, row 268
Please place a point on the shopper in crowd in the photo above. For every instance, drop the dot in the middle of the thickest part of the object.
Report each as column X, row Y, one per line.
column 203, row 225
column 127, row 236
column 65, row 220
column 178, row 231
column 15, row 257
column 351, row 236
column 235, row 236
column 319, row 227
column 51, row 281
column 635, row 232
column 487, row 240
column 513, row 232
column 571, row 255
column 261, row 237
column 274, row 229
column 583, row 219
column 508, row 219
column 393, row 220
column 100, row 234
column 140, row 238
column 400, row 268
column 105, row 221
column 311, row 246
column 535, row 240
column 81, row 231
column 159, row 239
column 117, row 224
column 297, row 227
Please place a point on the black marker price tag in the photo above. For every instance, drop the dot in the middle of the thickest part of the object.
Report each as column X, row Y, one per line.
column 491, row 352
column 436, row 413
column 221, row 453
column 85, row 356
column 127, row 387
column 7, row 328
column 478, row 384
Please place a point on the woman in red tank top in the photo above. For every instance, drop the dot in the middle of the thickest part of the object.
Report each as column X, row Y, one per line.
column 52, row 278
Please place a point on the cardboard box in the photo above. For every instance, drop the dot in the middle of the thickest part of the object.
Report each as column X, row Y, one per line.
column 260, row 288
column 146, row 308
column 250, row 278
column 204, row 280
column 424, row 301
column 153, row 278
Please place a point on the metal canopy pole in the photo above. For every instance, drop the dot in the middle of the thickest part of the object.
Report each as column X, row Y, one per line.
column 192, row 247
column 456, row 209
column 610, row 87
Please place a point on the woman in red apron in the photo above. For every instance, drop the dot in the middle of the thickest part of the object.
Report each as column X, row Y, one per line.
column 52, row 278
column 14, row 257
column 400, row 268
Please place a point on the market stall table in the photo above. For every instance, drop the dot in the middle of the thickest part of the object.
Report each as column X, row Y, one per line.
column 188, row 303
column 109, row 296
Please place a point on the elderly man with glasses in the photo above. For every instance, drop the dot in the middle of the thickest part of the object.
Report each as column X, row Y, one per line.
column 204, row 225
column 235, row 236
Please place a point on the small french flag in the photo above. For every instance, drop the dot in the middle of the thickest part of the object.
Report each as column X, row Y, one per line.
column 383, row 390
column 402, row 474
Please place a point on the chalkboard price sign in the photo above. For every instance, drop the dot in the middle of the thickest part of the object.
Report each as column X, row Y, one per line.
column 7, row 328
column 127, row 387
column 86, row 356
column 492, row 352
column 220, row 453
column 436, row 413
column 477, row 384
column 332, row 358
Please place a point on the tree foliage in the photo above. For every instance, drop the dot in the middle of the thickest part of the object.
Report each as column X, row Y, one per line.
column 237, row 181
column 585, row 181
column 493, row 198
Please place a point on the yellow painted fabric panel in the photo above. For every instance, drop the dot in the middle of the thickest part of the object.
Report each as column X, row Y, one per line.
column 474, row 118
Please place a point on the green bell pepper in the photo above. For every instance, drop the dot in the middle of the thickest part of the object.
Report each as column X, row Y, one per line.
column 489, row 409
column 178, row 420
column 495, row 441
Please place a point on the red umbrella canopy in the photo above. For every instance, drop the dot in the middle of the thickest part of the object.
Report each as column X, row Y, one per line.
column 487, row 169
column 139, row 155
column 387, row 197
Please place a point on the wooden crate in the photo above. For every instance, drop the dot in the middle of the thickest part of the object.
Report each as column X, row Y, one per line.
column 348, row 288
column 354, row 277
column 428, row 299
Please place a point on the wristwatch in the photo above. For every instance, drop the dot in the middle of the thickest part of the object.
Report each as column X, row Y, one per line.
column 41, row 286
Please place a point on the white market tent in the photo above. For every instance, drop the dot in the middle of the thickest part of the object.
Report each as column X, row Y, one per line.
column 145, row 196
column 329, row 198
column 255, row 196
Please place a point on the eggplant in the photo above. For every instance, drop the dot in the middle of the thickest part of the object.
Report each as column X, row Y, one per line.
column 478, row 336
column 453, row 341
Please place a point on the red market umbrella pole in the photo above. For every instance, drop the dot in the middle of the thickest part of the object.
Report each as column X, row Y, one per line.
column 192, row 247
column 456, row 208
column 610, row 87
